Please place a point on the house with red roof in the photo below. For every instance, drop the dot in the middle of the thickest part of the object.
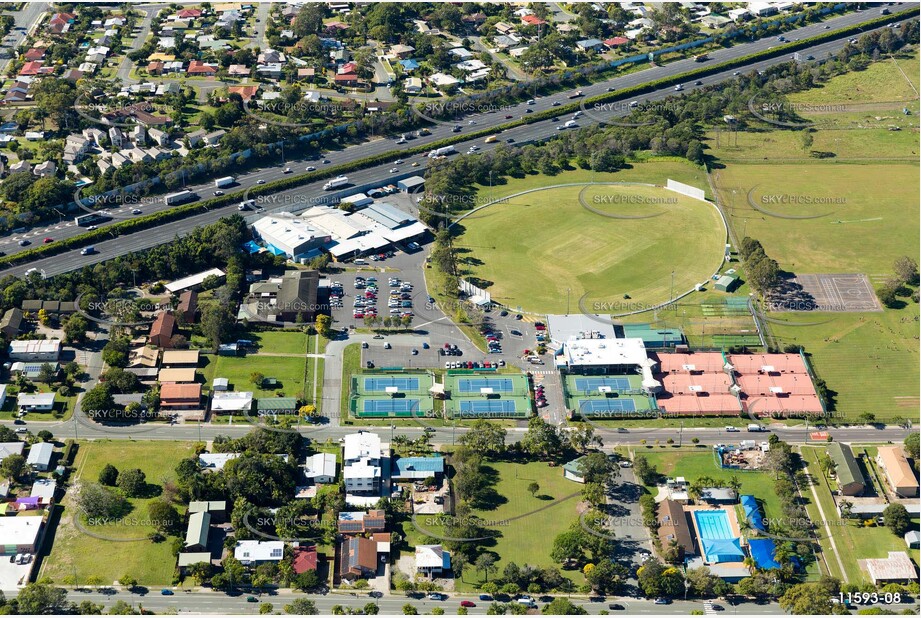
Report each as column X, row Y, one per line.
column 197, row 67
column 348, row 67
column 305, row 559
column 533, row 20
column 61, row 22
column 247, row 93
column 616, row 41
column 346, row 79
column 35, row 53
column 188, row 13
column 31, row 68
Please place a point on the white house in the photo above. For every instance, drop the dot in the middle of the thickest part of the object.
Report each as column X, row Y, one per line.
column 232, row 401
column 321, row 468
column 432, row 560
column 40, row 456
column 37, row 402
column 255, row 552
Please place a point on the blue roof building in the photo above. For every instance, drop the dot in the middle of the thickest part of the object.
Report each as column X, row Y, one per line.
column 417, row 468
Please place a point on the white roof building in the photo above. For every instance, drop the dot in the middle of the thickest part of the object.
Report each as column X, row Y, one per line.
column 361, row 445
column 321, row 466
column 19, row 531
column 249, row 552
column 629, row 352
column 11, row 448
column 40, row 455
column 897, row 567
column 293, row 236
column 35, row 401
column 192, row 280
column 430, row 557
column 215, row 461
column 44, row 489
column 231, row 401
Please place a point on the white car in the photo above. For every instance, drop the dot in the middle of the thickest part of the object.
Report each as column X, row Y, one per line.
column 311, row 168
column 394, row 170
column 399, row 162
column 287, row 170
column 730, row 428
column 474, row 148
column 260, row 182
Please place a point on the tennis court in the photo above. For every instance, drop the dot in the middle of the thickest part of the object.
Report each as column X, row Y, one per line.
column 390, row 406
column 603, row 406
column 593, row 384
column 381, row 384
column 474, row 385
column 486, row 406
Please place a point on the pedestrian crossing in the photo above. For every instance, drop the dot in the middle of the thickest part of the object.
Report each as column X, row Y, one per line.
column 542, row 372
column 708, row 608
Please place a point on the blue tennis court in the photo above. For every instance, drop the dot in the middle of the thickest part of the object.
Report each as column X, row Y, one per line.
column 473, row 385
column 390, row 405
column 592, row 384
column 480, row 406
column 607, row 405
column 380, row 384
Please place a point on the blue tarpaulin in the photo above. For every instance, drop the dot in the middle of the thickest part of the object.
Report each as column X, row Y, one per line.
column 251, row 247
column 762, row 551
column 752, row 512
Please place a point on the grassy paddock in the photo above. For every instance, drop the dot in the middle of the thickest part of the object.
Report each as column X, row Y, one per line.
column 149, row 563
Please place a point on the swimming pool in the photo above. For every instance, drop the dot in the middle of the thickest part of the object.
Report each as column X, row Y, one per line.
column 717, row 542
column 713, row 525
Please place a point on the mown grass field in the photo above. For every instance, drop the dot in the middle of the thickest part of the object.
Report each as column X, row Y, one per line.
column 526, row 524
column 289, row 371
column 697, row 462
column 536, row 250
column 150, row 563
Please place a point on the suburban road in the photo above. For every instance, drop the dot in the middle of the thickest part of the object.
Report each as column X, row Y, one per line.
column 294, row 199
column 25, row 20
column 205, row 602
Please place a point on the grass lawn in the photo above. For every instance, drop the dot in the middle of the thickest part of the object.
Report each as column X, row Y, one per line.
column 280, row 342
column 519, row 246
column 289, row 371
column 871, row 210
column 351, row 364
column 869, row 359
column 150, row 563
column 854, row 541
column 526, row 533
column 698, row 462
column 893, row 79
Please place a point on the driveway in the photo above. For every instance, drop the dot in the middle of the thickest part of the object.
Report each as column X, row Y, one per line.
column 626, row 522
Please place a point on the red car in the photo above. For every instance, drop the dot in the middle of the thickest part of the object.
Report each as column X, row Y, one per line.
column 468, row 604
column 47, row 240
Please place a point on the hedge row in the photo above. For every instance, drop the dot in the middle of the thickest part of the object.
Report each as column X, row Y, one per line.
column 187, row 210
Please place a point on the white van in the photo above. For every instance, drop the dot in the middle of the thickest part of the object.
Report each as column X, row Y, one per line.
column 361, row 262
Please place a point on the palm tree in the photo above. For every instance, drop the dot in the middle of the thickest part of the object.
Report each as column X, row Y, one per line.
column 750, row 564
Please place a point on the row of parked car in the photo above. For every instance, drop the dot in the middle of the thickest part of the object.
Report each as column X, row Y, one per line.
column 474, row 364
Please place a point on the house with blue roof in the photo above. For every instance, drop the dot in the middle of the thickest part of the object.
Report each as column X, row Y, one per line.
column 409, row 65
column 432, row 561
column 417, row 468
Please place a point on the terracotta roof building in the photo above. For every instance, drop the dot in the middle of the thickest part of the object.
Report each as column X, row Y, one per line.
column 163, row 329
column 673, row 526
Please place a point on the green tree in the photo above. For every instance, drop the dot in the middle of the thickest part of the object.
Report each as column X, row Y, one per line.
column 561, row 606
column 304, row 607
column 485, row 438
column 11, row 467
column 410, row 610
column 807, row 599
column 75, row 328
column 486, row 563
column 533, row 488
column 897, row 519
column 163, row 516
column 41, row 598
column 133, row 482
column 108, row 475
column 128, row 581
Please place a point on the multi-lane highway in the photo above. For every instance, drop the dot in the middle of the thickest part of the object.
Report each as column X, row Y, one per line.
column 530, row 132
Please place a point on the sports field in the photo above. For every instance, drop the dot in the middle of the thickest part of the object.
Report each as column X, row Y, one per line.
column 859, row 210
column 473, row 395
column 538, row 250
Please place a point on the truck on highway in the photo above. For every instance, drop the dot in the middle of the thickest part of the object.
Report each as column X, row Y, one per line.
column 491, row 139
column 338, row 181
column 247, row 204
column 576, row 94
column 90, row 219
column 180, row 197
column 226, row 181
column 701, row 57
column 442, row 152
column 755, row 427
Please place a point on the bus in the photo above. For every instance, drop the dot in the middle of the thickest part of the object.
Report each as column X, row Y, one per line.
column 91, row 219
